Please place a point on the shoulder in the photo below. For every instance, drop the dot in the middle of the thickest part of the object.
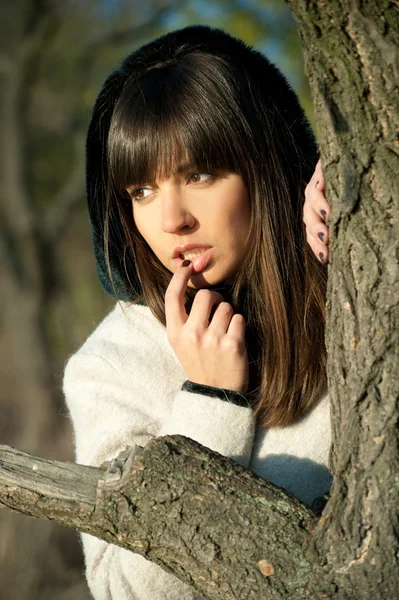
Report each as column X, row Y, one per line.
column 122, row 324
column 129, row 341
column 124, row 328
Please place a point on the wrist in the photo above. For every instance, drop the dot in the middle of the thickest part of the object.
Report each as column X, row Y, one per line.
column 228, row 395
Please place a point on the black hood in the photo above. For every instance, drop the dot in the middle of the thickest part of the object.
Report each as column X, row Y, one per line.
column 200, row 37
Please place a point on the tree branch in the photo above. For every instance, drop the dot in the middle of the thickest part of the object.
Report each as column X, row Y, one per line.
column 157, row 502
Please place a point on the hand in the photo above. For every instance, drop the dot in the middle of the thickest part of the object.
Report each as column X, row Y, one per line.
column 212, row 352
column 315, row 221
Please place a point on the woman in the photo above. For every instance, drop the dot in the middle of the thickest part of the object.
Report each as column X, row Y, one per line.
column 198, row 154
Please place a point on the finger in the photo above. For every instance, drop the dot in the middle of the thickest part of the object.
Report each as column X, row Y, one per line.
column 237, row 327
column 316, row 175
column 175, row 312
column 221, row 319
column 313, row 208
column 319, row 250
column 316, row 183
column 319, row 177
column 204, row 301
column 319, row 231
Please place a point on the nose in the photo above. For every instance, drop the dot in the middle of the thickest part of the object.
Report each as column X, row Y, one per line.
column 175, row 213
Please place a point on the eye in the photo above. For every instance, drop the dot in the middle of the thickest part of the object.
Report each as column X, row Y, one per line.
column 137, row 195
column 208, row 176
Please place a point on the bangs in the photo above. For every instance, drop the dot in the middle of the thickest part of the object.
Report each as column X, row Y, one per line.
column 183, row 115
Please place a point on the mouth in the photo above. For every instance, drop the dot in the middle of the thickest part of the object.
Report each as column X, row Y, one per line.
column 199, row 258
column 190, row 254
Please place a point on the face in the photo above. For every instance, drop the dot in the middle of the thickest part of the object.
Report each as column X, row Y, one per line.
column 195, row 208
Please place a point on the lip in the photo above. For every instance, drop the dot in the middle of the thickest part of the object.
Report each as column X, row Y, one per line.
column 182, row 249
column 199, row 262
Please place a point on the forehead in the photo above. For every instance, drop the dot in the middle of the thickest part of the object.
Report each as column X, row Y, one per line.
column 146, row 148
column 174, row 162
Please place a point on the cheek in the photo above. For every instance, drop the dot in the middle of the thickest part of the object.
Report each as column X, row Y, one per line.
column 148, row 231
column 141, row 226
column 239, row 216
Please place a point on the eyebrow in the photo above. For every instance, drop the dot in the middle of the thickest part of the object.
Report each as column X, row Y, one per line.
column 180, row 169
column 184, row 167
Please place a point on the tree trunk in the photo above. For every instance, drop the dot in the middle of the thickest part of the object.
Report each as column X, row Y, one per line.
column 351, row 51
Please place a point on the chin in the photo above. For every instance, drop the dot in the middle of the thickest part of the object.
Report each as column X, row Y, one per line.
column 203, row 280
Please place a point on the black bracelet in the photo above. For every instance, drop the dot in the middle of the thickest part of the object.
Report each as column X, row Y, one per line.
column 231, row 396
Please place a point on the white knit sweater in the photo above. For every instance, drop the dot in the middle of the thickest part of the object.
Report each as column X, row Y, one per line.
column 123, row 387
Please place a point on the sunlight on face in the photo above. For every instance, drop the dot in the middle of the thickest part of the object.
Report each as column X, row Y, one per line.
column 196, row 208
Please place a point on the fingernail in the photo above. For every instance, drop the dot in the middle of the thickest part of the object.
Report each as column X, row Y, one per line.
column 320, row 236
column 185, row 263
column 323, row 214
column 321, row 256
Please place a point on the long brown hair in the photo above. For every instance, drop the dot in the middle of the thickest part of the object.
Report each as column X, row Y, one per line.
column 211, row 109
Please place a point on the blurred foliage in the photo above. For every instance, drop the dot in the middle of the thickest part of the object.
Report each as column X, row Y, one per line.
column 67, row 78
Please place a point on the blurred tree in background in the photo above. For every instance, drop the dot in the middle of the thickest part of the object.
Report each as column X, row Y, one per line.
column 54, row 56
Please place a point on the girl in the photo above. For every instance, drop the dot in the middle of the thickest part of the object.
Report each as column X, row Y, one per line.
column 198, row 154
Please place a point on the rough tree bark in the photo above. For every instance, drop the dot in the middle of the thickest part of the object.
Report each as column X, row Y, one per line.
column 352, row 57
column 351, row 50
column 214, row 524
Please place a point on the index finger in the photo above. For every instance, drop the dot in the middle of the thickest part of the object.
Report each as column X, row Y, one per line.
column 175, row 312
column 318, row 174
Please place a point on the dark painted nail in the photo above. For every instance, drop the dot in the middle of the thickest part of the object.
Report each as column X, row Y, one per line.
column 323, row 214
column 321, row 256
column 320, row 236
column 185, row 263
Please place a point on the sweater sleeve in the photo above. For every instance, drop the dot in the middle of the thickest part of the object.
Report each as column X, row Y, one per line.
column 107, row 416
column 217, row 418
